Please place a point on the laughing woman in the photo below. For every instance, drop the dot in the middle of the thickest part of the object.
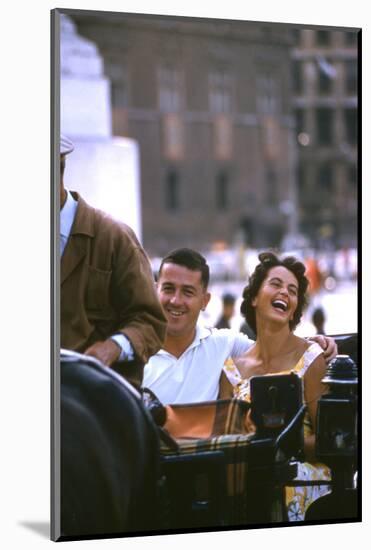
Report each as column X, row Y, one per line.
column 273, row 304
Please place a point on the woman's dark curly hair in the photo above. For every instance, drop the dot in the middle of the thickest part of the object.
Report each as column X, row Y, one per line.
column 267, row 261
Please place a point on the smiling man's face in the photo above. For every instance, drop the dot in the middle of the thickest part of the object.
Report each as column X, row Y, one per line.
column 182, row 296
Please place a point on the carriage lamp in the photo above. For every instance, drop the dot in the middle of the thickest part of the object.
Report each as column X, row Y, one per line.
column 336, row 431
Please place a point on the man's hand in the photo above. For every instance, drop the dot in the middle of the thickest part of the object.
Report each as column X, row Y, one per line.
column 107, row 352
column 328, row 344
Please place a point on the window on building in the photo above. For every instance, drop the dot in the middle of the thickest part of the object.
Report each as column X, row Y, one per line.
column 297, row 77
column 119, row 79
column 268, row 96
column 119, row 99
column 327, row 72
column 352, row 176
column 296, row 36
column 271, row 185
column 299, row 121
column 173, row 136
column 223, row 137
column 172, row 191
column 300, row 178
column 350, row 116
column 325, row 178
column 170, row 89
column 324, row 123
column 323, row 38
column 351, row 76
column 119, row 94
column 222, row 191
column 324, row 82
column 350, row 38
column 220, row 91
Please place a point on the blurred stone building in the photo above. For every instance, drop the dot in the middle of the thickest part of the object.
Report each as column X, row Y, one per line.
column 210, row 104
column 325, row 64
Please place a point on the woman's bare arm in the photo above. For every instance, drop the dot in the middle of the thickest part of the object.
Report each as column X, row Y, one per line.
column 225, row 387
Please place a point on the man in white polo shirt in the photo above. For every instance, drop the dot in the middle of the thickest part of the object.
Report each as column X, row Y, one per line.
column 188, row 367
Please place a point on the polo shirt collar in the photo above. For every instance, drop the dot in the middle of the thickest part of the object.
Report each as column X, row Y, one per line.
column 201, row 333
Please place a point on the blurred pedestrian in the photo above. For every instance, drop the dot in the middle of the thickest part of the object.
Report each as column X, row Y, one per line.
column 228, row 305
column 318, row 320
column 109, row 306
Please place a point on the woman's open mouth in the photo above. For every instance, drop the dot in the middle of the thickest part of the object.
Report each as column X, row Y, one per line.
column 280, row 304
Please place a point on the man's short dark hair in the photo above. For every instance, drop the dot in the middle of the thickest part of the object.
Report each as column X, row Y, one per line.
column 190, row 259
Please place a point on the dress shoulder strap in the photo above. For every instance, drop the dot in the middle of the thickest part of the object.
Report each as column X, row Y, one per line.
column 307, row 358
column 232, row 372
column 241, row 386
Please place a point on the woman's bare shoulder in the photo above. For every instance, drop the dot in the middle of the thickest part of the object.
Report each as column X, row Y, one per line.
column 300, row 343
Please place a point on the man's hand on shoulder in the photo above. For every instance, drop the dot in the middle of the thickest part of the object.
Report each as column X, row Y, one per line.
column 328, row 344
column 107, row 352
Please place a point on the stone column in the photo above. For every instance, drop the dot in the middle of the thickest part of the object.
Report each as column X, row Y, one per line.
column 103, row 168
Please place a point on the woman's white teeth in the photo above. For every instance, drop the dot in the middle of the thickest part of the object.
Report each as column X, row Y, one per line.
column 280, row 304
column 176, row 313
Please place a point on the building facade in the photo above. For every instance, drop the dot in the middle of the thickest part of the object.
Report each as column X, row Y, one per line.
column 325, row 79
column 221, row 135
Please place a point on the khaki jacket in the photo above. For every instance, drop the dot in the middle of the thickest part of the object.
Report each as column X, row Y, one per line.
column 107, row 286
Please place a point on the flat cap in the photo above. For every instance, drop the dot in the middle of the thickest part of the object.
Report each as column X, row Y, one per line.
column 66, row 145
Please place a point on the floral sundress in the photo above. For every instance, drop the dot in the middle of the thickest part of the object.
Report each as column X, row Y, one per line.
column 299, row 498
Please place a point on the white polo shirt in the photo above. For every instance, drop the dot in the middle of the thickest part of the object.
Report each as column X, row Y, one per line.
column 194, row 376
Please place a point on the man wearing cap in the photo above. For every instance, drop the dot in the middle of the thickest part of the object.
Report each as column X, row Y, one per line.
column 109, row 306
